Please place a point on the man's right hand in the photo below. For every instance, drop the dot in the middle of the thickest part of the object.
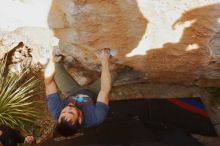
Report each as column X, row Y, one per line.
column 50, row 68
column 49, row 71
column 50, row 84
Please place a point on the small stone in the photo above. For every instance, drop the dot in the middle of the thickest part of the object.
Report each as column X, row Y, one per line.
column 120, row 93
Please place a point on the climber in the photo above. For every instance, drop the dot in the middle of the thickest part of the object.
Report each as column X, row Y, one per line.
column 12, row 137
column 83, row 107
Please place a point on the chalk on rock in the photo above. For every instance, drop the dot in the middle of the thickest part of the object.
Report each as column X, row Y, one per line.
column 113, row 52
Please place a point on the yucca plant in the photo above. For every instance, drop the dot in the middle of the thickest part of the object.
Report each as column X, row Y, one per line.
column 17, row 108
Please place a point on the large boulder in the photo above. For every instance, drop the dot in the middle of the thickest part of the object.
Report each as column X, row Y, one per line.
column 170, row 41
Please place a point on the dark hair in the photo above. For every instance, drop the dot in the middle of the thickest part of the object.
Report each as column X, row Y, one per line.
column 10, row 137
column 66, row 128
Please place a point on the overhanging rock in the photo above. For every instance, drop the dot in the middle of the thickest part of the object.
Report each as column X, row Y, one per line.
column 167, row 40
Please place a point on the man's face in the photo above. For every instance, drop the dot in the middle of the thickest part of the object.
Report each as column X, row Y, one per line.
column 72, row 114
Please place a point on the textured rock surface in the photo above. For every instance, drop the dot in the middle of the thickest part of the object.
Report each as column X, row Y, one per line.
column 208, row 141
column 167, row 40
column 85, row 26
column 28, row 45
column 172, row 41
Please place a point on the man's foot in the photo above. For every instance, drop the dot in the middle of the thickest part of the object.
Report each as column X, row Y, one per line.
column 69, row 62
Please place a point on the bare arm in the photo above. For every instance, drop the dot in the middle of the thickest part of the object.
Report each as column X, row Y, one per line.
column 49, row 82
column 106, row 82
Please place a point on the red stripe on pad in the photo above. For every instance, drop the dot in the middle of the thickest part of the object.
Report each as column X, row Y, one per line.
column 189, row 107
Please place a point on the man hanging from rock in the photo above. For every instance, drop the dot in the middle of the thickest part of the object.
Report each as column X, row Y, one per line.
column 83, row 107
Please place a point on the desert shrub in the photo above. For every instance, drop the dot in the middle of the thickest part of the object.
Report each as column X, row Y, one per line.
column 17, row 92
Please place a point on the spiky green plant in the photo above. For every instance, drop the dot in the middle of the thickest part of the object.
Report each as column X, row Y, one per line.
column 16, row 90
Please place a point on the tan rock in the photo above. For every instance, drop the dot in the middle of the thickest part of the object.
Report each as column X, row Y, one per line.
column 98, row 24
column 172, row 41
column 167, row 40
column 41, row 40
column 28, row 45
column 208, row 141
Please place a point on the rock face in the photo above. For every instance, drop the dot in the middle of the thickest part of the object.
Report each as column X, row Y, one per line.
column 85, row 26
column 28, row 46
column 175, row 42
column 170, row 41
